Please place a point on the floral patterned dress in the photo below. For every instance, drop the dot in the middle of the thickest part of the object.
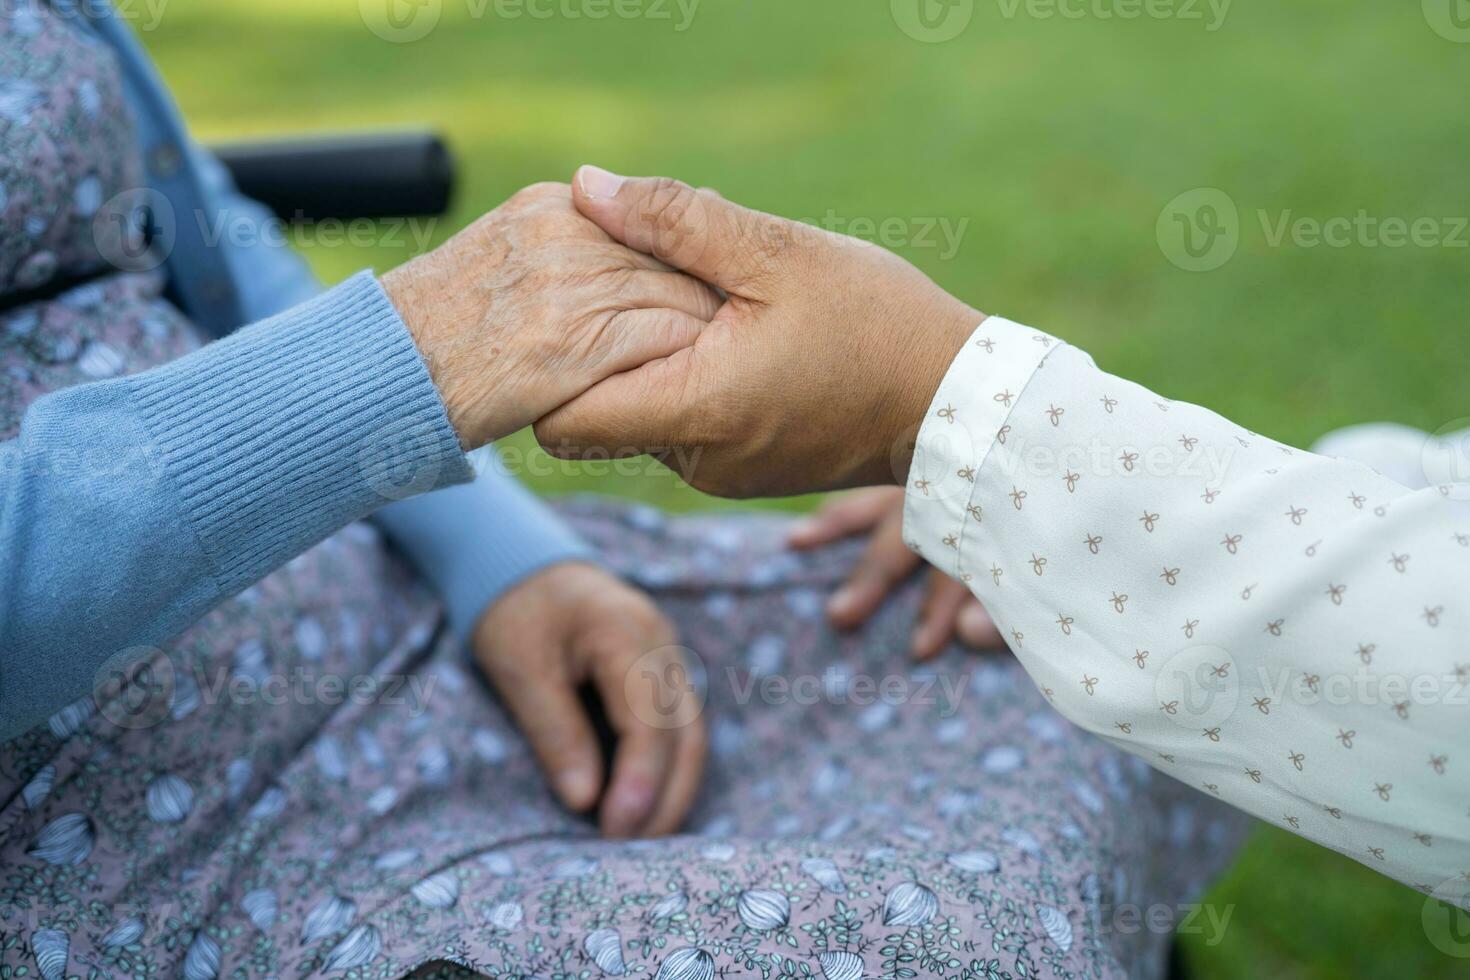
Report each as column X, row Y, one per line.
column 312, row 781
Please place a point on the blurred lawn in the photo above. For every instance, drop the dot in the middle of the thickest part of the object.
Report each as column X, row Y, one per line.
column 1059, row 142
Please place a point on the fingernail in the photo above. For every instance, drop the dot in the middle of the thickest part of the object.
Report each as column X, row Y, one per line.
column 801, row 530
column 842, row 603
column 628, row 807
column 599, row 184
column 579, row 785
column 922, row 642
column 976, row 626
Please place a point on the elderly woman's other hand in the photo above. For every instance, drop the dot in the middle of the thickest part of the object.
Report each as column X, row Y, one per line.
column 531, row 305
column 575, row 625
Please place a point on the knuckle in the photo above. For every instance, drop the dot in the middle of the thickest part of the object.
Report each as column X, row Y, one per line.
column 660, row 330
column 620, row 287
column 505, row 671
column 541, row 225
column 788, row 247
column 877, row 572
column 667, row 201
column 670, row 211
column 768, row 249
column 546, row 190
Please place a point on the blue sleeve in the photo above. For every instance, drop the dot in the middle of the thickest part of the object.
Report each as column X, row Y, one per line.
column 474, row 542
column 130, row 507
column 477, row 541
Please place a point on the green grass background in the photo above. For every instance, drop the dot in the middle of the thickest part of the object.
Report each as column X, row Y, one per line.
column 1059, row 141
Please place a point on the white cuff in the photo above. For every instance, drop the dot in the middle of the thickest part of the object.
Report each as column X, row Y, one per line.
column 967, row 419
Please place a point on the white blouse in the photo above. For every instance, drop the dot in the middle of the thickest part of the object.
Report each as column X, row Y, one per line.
column 1286, row 631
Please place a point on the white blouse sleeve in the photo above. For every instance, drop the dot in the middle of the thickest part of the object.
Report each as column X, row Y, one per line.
column 1288, row 632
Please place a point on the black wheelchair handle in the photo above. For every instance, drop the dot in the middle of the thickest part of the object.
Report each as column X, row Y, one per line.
column 368, row 175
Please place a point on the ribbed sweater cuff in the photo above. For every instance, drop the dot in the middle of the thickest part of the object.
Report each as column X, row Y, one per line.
column 479, row 541
column 288, row 430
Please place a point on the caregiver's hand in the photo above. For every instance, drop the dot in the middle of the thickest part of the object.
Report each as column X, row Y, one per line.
column 572, row 625
column 533, row 303
column 949, row 609
column 814, row 375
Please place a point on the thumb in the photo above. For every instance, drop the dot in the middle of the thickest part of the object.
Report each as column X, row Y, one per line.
column 698, row 232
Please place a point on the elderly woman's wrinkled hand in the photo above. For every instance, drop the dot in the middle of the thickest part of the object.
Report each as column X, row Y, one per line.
column 533, row 304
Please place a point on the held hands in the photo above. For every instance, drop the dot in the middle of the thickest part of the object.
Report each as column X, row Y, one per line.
column 532, row 304
column 573, row 625
column 811, row 372
column 813, row 375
